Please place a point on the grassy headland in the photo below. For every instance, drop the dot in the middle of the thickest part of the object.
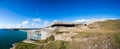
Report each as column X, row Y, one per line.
column 98, row 35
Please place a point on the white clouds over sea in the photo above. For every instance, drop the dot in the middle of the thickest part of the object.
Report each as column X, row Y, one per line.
column 36, row 20
column 39, row 23
column 32, row 23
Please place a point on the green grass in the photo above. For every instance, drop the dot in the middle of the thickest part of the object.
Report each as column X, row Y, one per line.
column 59, row 32
column 116, row 37
column 82, row 35
column 23, row 45
column 56, row 45
column 113, row 25
column 52, row 45
column 51, row 38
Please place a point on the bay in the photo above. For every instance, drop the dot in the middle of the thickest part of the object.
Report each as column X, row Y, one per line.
column 9, row 37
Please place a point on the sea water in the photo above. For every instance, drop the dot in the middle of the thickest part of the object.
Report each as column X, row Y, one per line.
column 9, row 37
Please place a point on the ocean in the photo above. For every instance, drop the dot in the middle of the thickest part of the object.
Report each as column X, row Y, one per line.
column 8, row 37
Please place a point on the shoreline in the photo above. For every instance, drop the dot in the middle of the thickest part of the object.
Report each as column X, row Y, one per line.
column 13, row 46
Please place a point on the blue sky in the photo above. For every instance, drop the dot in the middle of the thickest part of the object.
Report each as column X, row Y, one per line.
column 42, row 12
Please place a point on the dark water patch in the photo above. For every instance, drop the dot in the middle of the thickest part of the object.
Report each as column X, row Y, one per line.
column 8, row 37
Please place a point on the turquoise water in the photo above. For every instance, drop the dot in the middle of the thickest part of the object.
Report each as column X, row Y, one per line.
column 8, row 37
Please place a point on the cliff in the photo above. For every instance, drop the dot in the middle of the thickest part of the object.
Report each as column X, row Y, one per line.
column 97, row 35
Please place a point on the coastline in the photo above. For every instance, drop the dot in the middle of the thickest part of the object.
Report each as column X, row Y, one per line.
column 13, row 46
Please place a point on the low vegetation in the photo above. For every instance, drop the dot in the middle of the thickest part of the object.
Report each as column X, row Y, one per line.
column 59, row 32
column 56, row 45
column 51, row 38
column 23, row 45
column 116, row 37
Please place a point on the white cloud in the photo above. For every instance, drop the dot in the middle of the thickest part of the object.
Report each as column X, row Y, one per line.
column 7, row 25
column 3, row 25
column 37, row 23
column 81, row 20
column 46, row 23
column 33, row 24
column 36, row 20
column 55, row 21
column 88, row 21
column 25, row 22
column 19, row 26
